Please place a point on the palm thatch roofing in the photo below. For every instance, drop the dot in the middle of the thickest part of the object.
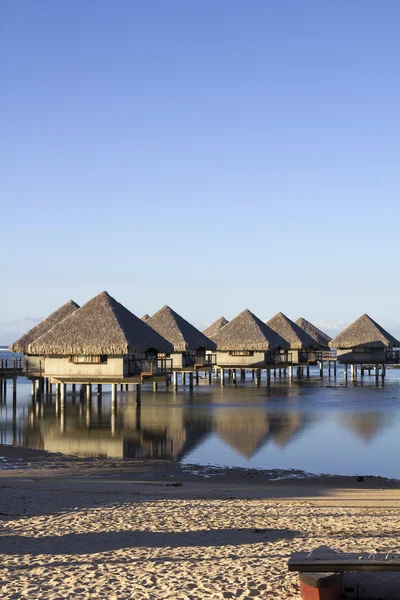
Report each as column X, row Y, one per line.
column 183, row 336
column 296, row 337
column 319, row 336
column 248, row 332
column 364, row 332
column 145, row 317
column 213, row 329
column 58, row 315
column 101, row 326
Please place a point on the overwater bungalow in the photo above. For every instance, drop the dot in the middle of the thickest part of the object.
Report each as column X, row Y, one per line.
column 302, row 346
column 248, row 343
column 145, row 317
column 319, row 336
column 190, row 345
column 213, row 329
column 102, row 342
column 34, row 363
column 366, row 342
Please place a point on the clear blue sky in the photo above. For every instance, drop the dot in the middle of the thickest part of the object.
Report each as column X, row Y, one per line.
column 207, row 155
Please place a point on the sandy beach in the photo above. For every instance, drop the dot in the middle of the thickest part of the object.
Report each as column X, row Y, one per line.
column 100, row 528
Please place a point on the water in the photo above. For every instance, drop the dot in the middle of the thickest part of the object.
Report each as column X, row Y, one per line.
column 317, row 426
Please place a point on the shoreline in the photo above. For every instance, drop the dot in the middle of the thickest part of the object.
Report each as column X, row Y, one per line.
column 39, row 469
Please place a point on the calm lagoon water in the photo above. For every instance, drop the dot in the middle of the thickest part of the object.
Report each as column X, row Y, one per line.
column 320, row 426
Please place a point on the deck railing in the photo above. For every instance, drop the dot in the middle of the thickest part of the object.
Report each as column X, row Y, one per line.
column 150, row 366
column 393, row 356
column 11, row 365
column 277, row 358
column 208, row 360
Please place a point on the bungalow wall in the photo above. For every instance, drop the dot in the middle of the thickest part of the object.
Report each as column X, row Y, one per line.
column 224, row 359
column 361, row 355
column 59, row 366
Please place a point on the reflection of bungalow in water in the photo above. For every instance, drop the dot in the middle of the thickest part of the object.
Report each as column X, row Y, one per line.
column 34, row 363
column 213, row 329
column 366, row 342
column 302, row 346
column 102, row 342
column 244, row 430
column 248, row 343
column 317, row 335
column 285, row 426
column 366, row 425
column 129, row 432
column 189, row 344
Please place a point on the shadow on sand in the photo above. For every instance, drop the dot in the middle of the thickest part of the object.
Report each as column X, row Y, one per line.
column 91, row 543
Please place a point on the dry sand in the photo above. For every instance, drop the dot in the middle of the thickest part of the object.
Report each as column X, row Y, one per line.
column 95, row 528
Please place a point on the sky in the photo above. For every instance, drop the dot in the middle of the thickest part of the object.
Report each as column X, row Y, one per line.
column 212, row 156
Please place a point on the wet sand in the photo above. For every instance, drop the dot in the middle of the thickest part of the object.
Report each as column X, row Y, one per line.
column 101, row 528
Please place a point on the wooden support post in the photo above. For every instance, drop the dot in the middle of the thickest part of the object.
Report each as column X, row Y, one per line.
column 268, row 375
column 73, row 388
column 89, row 391
column 62, row 418
column 33, row 387
column 233, row 375
column 242, row 374
column 280, row 372
column 329, row 368
column 155, row 386
column 191, row 380
column 58, row 389
column 210, row 377
column 345, row 371
column 308, row 372
column 222, row 373
column 175, row 380
column 258, row 377
column 383, row 371
column 321, row 368
column 138, row 394
column 352, row 371
column 49, row 391
column 197, row 378
column 291, row 373
column 14, row 389
column 334, row 368
column 63, row 388
column 229, row 373
column 113, row 417
column 99, row 389
column 183, row 378
column 113, row 392
column 362, row 371
column 252, row 374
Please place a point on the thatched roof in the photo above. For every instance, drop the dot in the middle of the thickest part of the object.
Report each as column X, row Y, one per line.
column 213, row 329
column 182, row 335
column 101, row 326
column 145, row 317
column 364, row 332
column 292, row 333
column 248, row 332
column 319, row 336
column 64, row 311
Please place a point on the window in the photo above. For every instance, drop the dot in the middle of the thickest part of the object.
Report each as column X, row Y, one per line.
column 241, row 353
column 86, row 359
